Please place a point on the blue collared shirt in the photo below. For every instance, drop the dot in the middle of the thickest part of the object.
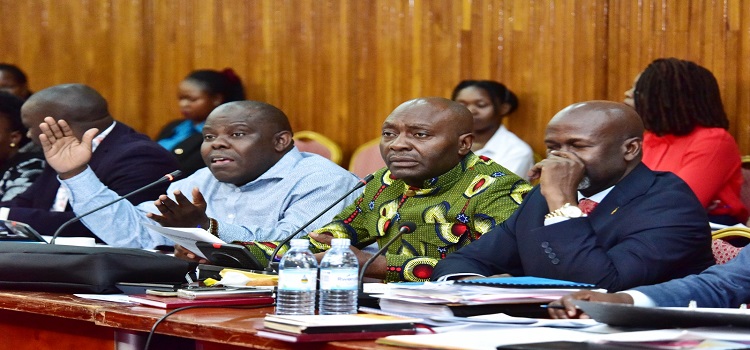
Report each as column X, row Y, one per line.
column 268, row 208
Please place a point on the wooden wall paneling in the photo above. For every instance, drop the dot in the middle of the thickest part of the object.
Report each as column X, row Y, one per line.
column 742, row 114
column 339, row 67
column 129, row 63
column 169, row 24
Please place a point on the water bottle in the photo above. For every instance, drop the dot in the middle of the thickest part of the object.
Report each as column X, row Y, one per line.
column 298, row 273
column 339, row 279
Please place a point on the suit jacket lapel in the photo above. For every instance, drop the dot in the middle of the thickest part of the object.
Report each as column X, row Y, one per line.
column 634, row 185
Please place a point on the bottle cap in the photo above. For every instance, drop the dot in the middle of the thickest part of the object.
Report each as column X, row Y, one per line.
column 299, row 243
column 340, row 242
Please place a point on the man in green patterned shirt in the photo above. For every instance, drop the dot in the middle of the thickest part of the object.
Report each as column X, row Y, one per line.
column 432, row 179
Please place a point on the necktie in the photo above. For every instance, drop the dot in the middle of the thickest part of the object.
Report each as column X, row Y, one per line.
column 587, row 205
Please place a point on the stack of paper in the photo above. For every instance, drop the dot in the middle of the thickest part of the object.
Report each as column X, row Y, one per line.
column 315, row 328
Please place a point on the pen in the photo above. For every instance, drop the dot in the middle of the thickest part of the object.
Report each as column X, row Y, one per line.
column 553, row 306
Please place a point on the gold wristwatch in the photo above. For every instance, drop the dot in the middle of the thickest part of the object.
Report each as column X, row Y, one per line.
column 567, row 211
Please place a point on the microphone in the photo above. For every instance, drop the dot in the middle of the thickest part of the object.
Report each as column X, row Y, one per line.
column 166, row 178
column 362, row 183
column 406, row 227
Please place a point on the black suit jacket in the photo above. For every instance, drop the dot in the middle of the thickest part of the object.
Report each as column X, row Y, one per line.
column 125, row 161
column 650, row 228
column 187, row 152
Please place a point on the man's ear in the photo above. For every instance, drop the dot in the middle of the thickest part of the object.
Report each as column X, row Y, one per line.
column 282, row 140
column 633, row 148
column 465, row 141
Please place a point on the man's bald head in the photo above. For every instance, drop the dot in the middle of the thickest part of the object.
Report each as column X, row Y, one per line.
column 425, row 138
column 243, row 139
column 259, row 112
column 79, row 105
column 607, row 136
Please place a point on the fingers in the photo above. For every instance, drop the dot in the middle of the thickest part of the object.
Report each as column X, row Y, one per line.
column 322, row 237
column 198, row 199
column 165, row 205
column 88, row 136
column 185, row 254
column 535, row 172
column 181, row 199
column 156, row 217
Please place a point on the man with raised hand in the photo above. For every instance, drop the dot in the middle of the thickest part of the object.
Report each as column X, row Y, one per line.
column 257, row 185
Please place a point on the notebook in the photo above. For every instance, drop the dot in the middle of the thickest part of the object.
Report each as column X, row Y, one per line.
column 526, row 282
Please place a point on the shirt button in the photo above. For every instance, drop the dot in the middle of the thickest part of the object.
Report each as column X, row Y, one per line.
column 545, row 244
column 231, row 216
column 551, row 255
column 548, row 250
column 178, row 151
column 555, row 261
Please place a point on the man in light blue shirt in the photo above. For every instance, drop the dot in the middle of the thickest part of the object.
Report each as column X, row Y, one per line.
column 257, row 185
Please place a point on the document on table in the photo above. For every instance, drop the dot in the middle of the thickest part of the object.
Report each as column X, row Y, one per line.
column 492, row 337
column 186, row 236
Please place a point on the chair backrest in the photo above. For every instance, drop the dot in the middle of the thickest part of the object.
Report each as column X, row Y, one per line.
column 366, row 159
column 724, row 251
column 313, row 142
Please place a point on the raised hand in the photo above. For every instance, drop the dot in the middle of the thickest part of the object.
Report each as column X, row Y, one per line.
column 181, row 212
column 65, row 153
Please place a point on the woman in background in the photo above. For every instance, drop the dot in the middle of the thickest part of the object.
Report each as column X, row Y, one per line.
column 686, row 133
column 21, row 161
column 13, row 81
column 490, row 102
column 199, row 93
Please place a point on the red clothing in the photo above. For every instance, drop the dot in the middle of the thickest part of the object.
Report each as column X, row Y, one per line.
column 708, row 160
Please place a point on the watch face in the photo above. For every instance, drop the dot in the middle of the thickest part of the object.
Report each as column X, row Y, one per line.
column 572, row 211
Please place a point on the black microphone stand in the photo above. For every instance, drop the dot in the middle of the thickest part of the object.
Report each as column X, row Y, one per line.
column 362, row 183
column 366, row 299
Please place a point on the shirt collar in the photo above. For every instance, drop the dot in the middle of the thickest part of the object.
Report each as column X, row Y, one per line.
column 599, row 197
column 100, row 138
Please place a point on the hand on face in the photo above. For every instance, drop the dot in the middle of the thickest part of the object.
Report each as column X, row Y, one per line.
column 181, row 212
column 62, row 150
column 571, row 311
column 559, row 177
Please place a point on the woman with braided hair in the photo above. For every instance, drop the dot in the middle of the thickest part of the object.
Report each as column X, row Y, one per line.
column 686, row 133
column 199, row 93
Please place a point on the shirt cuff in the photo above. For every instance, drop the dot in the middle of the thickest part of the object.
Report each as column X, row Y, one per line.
column 555, row 220
column 4, row 213
column 640, row 299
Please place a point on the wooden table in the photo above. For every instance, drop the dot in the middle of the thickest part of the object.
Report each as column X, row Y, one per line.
column 37, row 320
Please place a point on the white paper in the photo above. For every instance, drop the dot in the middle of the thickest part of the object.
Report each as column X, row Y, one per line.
column 186, row 236
column 116, row 298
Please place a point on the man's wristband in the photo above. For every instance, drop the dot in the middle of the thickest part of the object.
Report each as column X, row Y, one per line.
column 567, row 211
column 213, row 227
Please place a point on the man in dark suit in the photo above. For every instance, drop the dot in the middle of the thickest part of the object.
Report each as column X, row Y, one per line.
column 124, row 160
column 725, row 285
column 647, row 227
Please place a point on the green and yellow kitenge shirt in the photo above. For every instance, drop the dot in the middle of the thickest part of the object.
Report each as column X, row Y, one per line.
column 449, row 211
